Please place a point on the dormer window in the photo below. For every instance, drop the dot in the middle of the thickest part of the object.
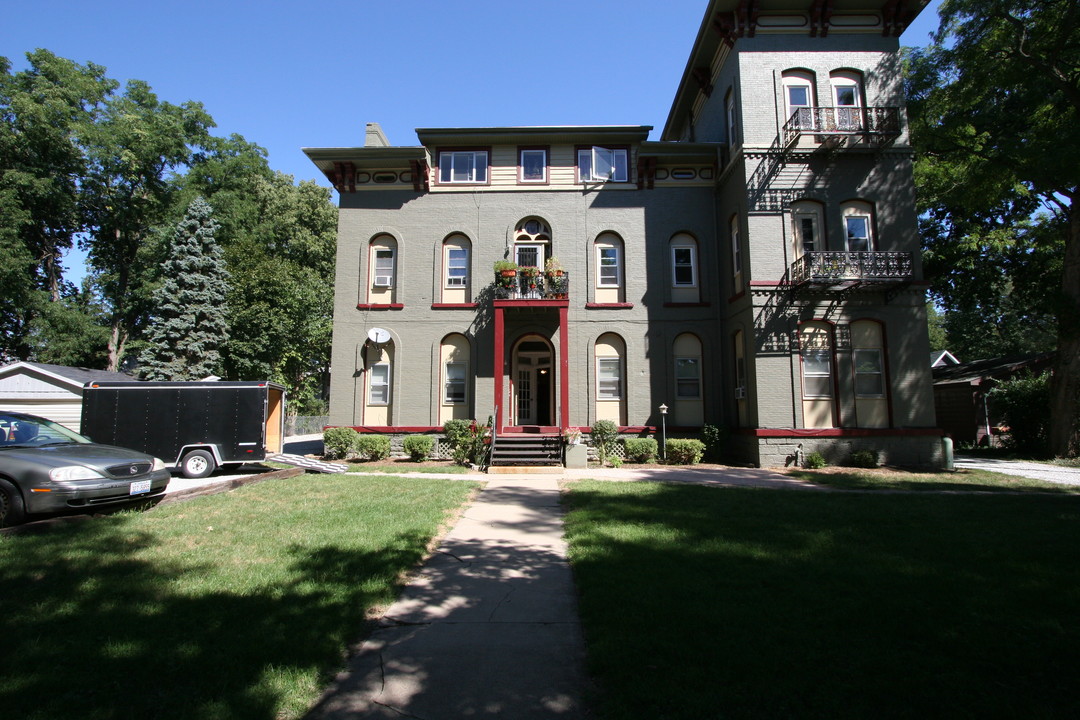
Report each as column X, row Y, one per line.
column 600, row 164
column 463, row 166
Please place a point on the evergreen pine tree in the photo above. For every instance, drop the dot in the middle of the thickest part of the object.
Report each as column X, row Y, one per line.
column 189, row 322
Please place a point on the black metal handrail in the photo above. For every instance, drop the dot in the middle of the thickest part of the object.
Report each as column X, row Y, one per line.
column 530, row 285
column 882, row 122
column 845, row 265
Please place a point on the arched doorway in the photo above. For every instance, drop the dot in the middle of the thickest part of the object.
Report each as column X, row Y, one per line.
column 533, row 381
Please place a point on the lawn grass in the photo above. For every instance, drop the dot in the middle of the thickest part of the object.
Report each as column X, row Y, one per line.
column 960, row 480
column 237, row 605
column 743, row 603
column 407, row 466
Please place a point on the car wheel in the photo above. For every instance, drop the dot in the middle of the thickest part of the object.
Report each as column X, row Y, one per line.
column 197, row 464
column 12, row 510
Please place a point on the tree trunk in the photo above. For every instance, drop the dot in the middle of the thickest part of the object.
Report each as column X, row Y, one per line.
column 1065, row 383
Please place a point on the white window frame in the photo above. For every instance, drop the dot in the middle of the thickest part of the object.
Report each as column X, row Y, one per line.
column 801, row 218
column 474, row 162
column 688, row 381
column 379, row 381
column 609, row 386
column 869, row 237
column 878, row 373
column 606, row 280
column 543, row 165
column 849, row 115
column 675, row 265
column 736, row 249
column 461, row 383
column 538, row 247
column 732, row 119
column 811, row 371
column 457, row 281
column 381, row 275
column 616, row 160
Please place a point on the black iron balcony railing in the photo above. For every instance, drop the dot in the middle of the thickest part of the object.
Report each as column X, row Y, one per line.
column 877, row 123
column 847, row 268
column 527, row 286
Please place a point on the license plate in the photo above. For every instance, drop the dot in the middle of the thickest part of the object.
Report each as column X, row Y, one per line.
column 140, row 487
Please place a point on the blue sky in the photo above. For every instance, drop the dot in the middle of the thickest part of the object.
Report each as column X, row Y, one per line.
column 288, row 75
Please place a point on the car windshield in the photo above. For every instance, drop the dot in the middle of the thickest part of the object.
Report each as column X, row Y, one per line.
column 30, row 431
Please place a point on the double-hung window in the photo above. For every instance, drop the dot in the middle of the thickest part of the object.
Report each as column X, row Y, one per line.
column 457, row 267
column 533, row 164
column 379, row 384
column 384, row 268
column 683, row 262
column 858, row 233
column 609, row 378
column 607, row 259
column 463, row 166
column 817, row 372
column 454, row 391
column 598, row 164
column 688, row 377
column 869, row 378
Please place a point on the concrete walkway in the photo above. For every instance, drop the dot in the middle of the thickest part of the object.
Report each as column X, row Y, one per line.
column 489, row 627
column 1035, row 471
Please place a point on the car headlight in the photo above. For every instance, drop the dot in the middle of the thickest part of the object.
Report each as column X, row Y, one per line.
column 159, row 464
column 73, row 472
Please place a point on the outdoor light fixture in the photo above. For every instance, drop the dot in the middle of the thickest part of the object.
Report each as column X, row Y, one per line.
column 663, row 432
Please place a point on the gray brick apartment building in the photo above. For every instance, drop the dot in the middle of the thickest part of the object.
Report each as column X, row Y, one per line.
column 756, row 268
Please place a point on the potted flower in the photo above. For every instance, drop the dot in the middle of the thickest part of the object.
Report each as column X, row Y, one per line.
column 505, row 272
column 572, row 436
column 553, row 267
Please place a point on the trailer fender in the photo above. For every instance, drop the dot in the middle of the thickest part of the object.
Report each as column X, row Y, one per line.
column 198, row 461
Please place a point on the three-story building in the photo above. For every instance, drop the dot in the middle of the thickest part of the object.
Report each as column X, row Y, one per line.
column 756, row 268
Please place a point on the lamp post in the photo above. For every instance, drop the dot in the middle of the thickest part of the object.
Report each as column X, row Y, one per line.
column 663, row 432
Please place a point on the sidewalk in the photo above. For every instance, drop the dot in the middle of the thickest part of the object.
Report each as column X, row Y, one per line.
column 489, row 628
column 1033, row 470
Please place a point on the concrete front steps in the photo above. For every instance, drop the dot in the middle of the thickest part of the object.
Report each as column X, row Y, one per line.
column 521, row 453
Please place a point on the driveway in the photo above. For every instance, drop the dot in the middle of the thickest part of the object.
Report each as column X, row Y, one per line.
column 1035, row 471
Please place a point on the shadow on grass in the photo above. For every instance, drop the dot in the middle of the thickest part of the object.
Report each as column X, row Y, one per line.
column 960, row 481
column 749, row 603
column 93, row 632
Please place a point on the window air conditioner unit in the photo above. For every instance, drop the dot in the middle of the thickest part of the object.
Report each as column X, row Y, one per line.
column 383, row 280
column 740, row 393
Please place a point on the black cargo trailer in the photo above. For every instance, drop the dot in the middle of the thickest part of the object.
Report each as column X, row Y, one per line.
column 194, row 426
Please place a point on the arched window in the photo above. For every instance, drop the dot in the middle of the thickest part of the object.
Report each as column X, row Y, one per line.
column 378, row 385
column 807, row 227
column 455, row 368
column 858, row 225
column 868, row 368
column 798, row 86
column 847, row 99
column 684, row 268
column 609, row 268
column 732, row 118
column 818, row 379
column 689, row 395
column 382, row 270
column 456, row 259
column 532, row 242
column 610, row 396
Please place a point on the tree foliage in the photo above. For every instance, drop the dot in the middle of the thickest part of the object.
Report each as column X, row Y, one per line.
column 994, row 105
column 189, row 321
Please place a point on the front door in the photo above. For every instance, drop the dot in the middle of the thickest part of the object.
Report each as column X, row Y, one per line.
column 533, row 376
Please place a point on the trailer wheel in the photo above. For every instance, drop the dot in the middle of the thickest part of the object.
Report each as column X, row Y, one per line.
column 197, row 464
column 12, row 510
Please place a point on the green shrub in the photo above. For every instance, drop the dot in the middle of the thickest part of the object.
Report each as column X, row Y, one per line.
column 615, row 462
column 339, row 442
column 418, row 446
column 466, row 440
column 684, row 452
column 713, row 437
column 814, row 461
column 373, row 447
column 863, row 459
column 640, row 450
column 604, row 434
column 1024, row 404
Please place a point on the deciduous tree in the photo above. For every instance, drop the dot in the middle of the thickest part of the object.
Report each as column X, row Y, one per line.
column 995, row 106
